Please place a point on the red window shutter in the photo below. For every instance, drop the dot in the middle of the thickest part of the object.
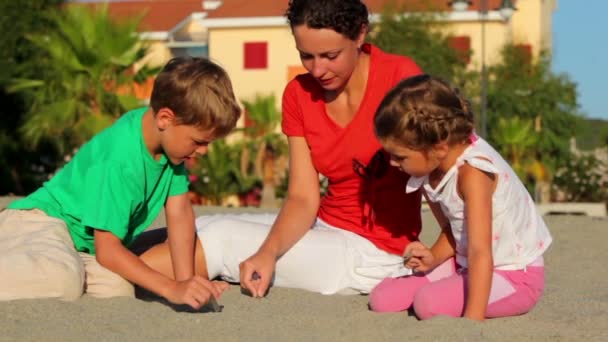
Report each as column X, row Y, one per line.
column 247, row 120
column 256, row 55
column 462, row 46
column 526, row 51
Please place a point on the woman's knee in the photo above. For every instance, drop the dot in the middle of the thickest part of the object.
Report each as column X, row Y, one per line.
column 225, row 241
column 216, row 229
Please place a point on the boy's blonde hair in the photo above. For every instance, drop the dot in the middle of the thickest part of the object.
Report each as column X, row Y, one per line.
column 422, row 111
column 199, row 92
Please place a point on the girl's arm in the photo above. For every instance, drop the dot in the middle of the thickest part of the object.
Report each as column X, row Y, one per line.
column 442, row 249
column 476, row 188
column 297, row 215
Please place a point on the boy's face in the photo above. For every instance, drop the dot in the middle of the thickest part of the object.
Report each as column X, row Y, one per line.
column 182, row 143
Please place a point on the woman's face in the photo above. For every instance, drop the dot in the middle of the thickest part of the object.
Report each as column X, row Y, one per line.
column 328, row 56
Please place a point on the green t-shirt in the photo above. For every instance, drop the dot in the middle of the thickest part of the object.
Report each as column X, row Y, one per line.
column 113, row 183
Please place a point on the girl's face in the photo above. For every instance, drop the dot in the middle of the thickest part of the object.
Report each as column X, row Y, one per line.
column 413, row 162
column 328, row 56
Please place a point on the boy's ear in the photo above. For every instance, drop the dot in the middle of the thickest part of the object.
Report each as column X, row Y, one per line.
column 164, row 118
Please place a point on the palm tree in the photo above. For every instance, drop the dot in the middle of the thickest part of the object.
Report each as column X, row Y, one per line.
column 515, row 138
column 261, row 132
column 516, row 141
column 88, row 76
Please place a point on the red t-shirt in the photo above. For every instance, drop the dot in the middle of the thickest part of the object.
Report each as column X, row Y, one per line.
column 375, row 207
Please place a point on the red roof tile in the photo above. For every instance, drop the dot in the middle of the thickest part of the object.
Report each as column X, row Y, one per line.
column 272, row 8
column 163, row 15
column 158, row 15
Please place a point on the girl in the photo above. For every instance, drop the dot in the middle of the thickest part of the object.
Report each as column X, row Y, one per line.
column 490, row 226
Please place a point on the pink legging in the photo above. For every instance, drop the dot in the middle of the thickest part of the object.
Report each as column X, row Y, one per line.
column 443, row 291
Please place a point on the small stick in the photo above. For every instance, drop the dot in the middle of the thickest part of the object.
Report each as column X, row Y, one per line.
column 215, row 306
column 407, row 256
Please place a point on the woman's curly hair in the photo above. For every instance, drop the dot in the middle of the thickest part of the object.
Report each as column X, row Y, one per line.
column 346, row 17
column 422, row 111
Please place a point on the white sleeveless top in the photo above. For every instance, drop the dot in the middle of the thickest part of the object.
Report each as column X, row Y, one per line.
column 519, row 234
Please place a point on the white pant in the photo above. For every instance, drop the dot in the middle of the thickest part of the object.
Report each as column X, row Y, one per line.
column 326, row 260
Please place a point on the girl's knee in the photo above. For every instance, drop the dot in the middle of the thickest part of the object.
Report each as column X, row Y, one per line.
column 428, row 304
column 425, row 306
column 389, row 296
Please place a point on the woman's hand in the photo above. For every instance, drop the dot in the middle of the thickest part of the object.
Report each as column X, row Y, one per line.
column 256, row 273
column 421, row 259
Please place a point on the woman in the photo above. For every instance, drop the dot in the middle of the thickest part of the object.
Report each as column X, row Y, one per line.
column 353, row 237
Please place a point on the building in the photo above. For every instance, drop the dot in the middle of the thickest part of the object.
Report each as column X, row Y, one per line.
column 252, row 41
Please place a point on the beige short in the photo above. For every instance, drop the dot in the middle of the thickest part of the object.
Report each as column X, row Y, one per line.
column 38, row 260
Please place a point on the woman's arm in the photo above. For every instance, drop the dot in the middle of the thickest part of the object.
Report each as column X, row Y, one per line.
column 476, row 188
column 295, row 218
column 302, row 203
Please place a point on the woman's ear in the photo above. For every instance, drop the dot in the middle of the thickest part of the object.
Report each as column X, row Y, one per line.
column 164, row 118
column 362, row 34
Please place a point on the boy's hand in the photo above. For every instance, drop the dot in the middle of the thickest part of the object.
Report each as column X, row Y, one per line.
column 195, row 291
column 420, row 259
column 256, row 273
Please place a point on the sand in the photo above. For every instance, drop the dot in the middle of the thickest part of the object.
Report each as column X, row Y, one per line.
column 574, row 307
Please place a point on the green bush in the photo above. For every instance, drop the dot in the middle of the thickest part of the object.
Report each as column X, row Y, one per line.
column 582, row 179
column 216, row 174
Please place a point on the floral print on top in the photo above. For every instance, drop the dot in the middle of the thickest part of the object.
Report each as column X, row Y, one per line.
column 519, row 234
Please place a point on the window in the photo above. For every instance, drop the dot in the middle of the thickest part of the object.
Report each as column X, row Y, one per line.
column 526, row 52
column 192, row 51
column 462, row 46
column 256, row 55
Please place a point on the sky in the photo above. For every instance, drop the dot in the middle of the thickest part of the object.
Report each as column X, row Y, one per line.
column 580, row 49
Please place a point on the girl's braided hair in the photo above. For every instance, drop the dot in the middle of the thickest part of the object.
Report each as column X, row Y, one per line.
column 422, row 111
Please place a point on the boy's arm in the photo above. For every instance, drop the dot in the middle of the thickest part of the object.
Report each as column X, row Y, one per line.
column 111, row 254
column 476, row 188
column 181, row 235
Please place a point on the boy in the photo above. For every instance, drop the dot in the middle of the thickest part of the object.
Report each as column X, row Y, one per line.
column 71, row 235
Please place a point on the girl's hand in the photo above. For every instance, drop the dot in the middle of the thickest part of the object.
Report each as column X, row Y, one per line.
column 421, row 259
column 256, row 273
